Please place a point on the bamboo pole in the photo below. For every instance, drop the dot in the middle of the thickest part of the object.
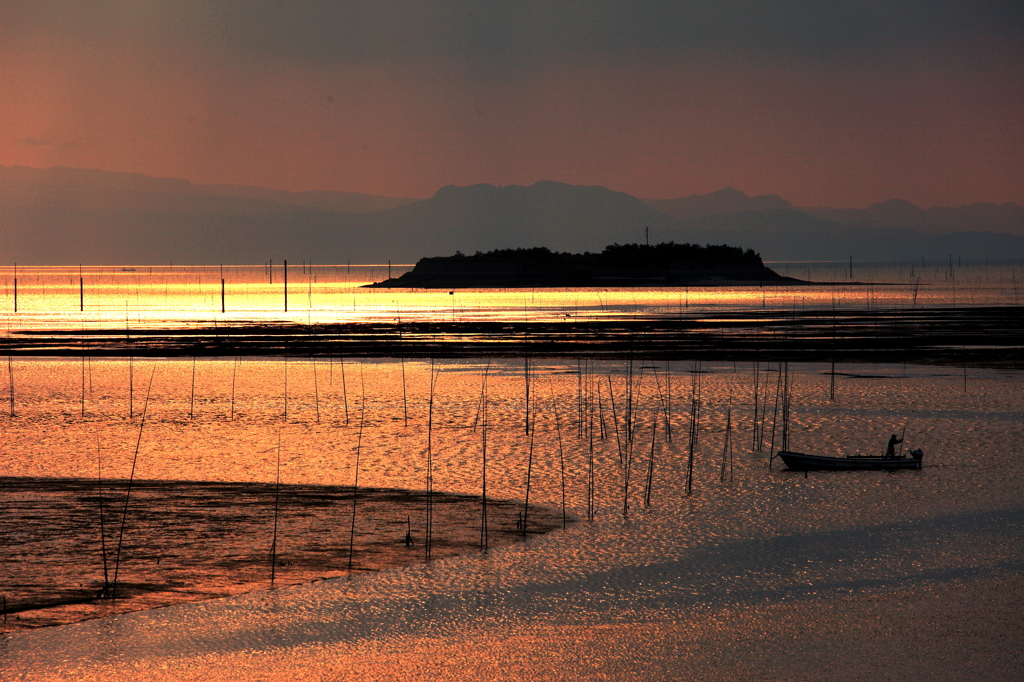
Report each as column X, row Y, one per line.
column 484, row 531
column 103, row 535
column 316, row 391
column 775, row 417
column 526, row 375
column 131, row 386
column 529, row 479
column 561, row 457
column 234, row 376
column 355, row 483
column 83, row 384
column 429, row 525
column 650, row 464
column 128, row 492
column 590, row 477
column 10, row 379
column 344, row 387
column 615, row 418
column 727, row 445
column 277, row 498
column 192, row 396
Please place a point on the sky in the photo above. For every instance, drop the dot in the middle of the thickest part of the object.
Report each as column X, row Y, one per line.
column 824, row 103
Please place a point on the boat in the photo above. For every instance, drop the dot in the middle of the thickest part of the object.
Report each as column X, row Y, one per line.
column 798, row 461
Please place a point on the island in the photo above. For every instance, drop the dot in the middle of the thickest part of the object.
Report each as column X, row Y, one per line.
column 618, row 265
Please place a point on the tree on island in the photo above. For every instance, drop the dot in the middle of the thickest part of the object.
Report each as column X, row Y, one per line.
column 664, row 256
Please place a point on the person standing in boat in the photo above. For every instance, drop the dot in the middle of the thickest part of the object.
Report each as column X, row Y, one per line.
column 890, row 449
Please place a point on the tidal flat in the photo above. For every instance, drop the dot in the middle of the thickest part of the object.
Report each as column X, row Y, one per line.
column 753, row 572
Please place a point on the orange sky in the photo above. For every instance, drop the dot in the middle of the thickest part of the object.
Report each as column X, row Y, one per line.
column 930, row 125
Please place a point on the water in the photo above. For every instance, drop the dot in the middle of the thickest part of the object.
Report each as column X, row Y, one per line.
column 917, row 573
column 181, row 296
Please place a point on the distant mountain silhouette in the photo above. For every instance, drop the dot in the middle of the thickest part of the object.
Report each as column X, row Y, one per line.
column 321, row 200
column 68, row 216
column 726, row 201
column 485, row 217
column 1008, row 217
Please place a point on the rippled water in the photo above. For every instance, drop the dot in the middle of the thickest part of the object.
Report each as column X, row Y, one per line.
column 764, row 541
column 767, row 574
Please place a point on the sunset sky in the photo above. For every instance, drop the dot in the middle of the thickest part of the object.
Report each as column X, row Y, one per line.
column 823, row 103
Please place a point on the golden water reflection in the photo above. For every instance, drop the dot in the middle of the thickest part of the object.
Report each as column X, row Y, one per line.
column 170, row 296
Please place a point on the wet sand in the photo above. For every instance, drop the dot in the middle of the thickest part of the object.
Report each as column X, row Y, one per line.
column 977, row 337
column 189, row 541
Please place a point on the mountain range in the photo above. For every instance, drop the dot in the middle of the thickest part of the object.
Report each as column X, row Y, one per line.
column 66, row 216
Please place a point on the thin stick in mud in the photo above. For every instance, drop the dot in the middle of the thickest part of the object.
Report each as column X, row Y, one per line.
column 277, row 498
column 650, row 464
column 429, row 524
column 561, row 457
column 128, row 492
column 355, row 482
column 484, row 531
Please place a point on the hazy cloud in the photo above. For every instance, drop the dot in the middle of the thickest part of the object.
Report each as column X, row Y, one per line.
column 37, row 142
column 529, row 33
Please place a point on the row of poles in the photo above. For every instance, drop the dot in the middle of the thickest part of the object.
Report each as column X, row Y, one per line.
column 590, row 405
column 223, row 285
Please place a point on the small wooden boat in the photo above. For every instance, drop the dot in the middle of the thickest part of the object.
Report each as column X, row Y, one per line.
column 801, row 462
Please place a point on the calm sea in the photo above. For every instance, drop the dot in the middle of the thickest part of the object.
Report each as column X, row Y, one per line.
column 752, row 573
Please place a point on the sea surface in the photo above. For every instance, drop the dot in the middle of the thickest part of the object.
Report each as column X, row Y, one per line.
column 713, row 565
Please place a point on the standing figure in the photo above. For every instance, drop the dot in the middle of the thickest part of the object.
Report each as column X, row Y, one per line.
column 890, row 449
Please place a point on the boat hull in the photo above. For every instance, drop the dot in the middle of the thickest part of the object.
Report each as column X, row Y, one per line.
column 798, row 461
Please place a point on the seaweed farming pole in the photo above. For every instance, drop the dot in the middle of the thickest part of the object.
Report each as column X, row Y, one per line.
column 234, row 376
column 223, row 308
column 727, row 446
column 484, row 539
column 103, row 535
column 405, row 395
column 277, row 499
column 316, row 391
column 192, row 395
column 668, row 401
column 83, row 383
column 775, row 418
column 526, row 375
column 590, row 476
column 428, row 534
column 344, row 387
column 131, row 386
column 355, row 483
column 15, row 287
column 81, row 289
column 286, row 286
column 128, row 492
column 529, row 477
column 561, row 456
column 10, row 379
column 650, row 464
column 627, row 470
column 754, row 443
column 615, row 418
column 694, row 424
